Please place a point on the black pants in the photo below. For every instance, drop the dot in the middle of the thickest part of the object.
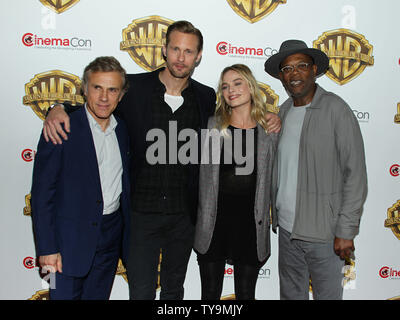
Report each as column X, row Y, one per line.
column 151, row 233
column 212, row 277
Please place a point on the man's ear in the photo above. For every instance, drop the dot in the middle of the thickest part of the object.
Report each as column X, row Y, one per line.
column 199, row 55
column 121, row 96
column 315, row 69
column 84, row 90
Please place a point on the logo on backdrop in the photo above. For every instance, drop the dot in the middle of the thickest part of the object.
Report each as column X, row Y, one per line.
column 394, row 170
column 59, row 6
column 389, row 273
column 143, row 39
column 361, row 116
column 29, row 263
column 231, row 50
column 28, row 155
column 270, row 97
column 27, row 209
column 50, row 87
column 397, row 116
column 254, row 10
column 61, row 43
column 393, row 219
column 263, row 273
column 349, row 54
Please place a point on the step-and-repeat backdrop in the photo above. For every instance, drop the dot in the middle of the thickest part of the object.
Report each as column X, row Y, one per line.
column 47, row 43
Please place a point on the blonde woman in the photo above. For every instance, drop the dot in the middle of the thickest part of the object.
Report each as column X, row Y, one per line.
column 233, row 216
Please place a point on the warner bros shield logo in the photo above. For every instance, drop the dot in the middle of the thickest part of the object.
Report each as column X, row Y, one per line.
column 270, row 98
column 349, row 54
column 143, row 39
column 393, row 219
column 51, row 87
column 59, row 6
column 254, row 10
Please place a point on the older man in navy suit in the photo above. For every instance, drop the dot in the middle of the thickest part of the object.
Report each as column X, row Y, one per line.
column 80, row 191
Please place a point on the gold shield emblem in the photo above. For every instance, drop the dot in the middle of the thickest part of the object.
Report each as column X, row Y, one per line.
column 393, row 219
column 52, row 87
column 59, row 6
column 27, row 208
column 349, row 54
column 270, row 97
column 143, row 39
column 397, row 116
column 254, row 10
column 40, row 295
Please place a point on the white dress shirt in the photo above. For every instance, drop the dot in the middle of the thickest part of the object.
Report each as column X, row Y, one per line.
column 109, row 162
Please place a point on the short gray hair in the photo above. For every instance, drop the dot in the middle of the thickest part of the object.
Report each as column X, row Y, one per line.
column 105, row 64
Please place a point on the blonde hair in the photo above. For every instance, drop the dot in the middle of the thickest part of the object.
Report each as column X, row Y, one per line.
column 258, row 107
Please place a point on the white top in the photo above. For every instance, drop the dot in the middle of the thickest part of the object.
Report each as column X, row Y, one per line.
column 173, row 101
column 109, row 162
column 288, row 163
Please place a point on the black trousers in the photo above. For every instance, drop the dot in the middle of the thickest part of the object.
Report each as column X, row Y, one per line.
column 212, row 278
column 152, row 233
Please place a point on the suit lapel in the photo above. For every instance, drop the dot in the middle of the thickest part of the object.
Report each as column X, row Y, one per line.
column 263, row 141
column 86, row 140
column 123, row 145
column 216, row 167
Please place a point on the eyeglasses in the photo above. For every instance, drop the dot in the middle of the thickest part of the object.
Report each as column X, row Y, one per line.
column 302, row 67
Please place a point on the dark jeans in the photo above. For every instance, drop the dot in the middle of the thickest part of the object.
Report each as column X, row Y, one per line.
column 151, row 232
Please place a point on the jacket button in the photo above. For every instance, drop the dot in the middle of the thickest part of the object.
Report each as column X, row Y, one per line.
column 98, row 201
column 260, row 222
column 94, row 224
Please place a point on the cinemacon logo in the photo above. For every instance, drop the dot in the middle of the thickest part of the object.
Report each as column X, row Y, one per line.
column 389, row 273
column 226, row 48
column 30, row 39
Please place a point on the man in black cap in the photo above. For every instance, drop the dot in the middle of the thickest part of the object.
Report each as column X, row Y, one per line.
column 320, row 180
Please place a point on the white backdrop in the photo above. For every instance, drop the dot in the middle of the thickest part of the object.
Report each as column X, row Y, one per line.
column 94, row 28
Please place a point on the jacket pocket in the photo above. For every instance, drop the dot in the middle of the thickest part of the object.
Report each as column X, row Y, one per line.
column 334, row 202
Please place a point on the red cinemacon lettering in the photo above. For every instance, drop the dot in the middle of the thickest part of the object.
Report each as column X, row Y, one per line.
column 395, row 170
column 30, row 39
column 224, row 48
column 388, row 272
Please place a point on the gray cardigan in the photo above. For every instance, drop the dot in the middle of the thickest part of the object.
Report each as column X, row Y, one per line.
column 208, row 195
column 332, row 177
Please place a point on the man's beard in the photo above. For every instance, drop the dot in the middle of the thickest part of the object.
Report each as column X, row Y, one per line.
column 179, row 74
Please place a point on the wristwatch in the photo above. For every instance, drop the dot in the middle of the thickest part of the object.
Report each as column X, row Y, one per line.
column 52, row 106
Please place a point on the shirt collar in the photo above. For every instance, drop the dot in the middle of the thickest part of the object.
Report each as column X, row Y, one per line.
column 161, row 86
column 94, row 125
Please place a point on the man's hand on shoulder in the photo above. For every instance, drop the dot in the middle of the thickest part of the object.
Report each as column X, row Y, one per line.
column 52, row 129
column 273, row 122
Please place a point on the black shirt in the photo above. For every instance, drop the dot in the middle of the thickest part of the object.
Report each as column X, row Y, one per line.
column 162, row 187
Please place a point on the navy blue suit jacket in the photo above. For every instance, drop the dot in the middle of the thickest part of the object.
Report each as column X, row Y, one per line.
column 67, row 202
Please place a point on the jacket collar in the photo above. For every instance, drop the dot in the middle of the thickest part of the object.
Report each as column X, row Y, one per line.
column 319, row 92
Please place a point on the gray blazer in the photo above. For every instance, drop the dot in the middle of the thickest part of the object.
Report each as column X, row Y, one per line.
column 208, row 195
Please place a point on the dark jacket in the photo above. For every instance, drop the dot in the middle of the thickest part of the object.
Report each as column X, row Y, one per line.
column 135, row 109
column 67, row 201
